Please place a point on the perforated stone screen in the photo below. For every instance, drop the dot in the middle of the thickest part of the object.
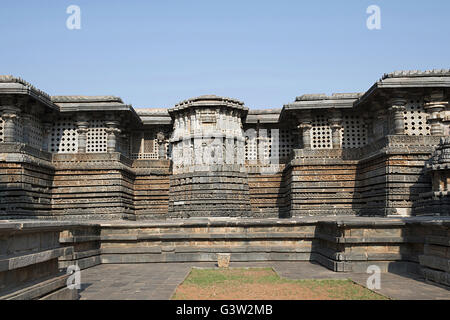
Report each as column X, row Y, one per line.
column 135, row 145
column 96, row 137
column 320, row 133
column 353, row 132
column 34, row 131
column 1, row 129
column 286, row 142
column 416, row 119
column 251, row 144
column 19, row 129
column 144, row 145
column 264, row 144
column 123, row 145
column 63, row 137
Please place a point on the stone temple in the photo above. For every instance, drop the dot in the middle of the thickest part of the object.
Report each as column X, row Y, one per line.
column 347, row 180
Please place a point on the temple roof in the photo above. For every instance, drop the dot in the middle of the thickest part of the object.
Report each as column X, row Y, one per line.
column 334, row 96
column 418, row 73
column 209, row 101
column 323, row 101
column 154, row 115
column 263, row 116
column 64, row 99
column 13, row 85
column 398, row 80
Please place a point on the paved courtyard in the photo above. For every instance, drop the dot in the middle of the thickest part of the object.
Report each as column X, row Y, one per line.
column 158, row 281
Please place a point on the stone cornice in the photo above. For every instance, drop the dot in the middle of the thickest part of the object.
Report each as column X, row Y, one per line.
column 321, row 101
column 17, row 86
column 408, row 79
column 417, row 73
column 89, row 99
column 209, row 101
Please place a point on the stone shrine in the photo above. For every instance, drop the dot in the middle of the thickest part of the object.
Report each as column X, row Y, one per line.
column 347, row 180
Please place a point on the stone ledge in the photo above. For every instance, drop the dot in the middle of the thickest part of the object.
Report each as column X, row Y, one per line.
column 208, row 236
column 38, row 290
column 20, row 261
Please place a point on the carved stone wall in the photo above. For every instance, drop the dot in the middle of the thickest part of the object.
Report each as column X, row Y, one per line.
column 347, row 153
column 63, row 137
column 209, row 177
column 1, row 129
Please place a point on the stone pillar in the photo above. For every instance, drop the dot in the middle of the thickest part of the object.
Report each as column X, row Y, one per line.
column 305, row 126
column 435, row 108
column 47, row 129
column 336, row 126
column 82, row 131
column 112, row 131
column 26, row 128
column 10, row 117
column 162, row 141
column 397, row 110
column 368, row 122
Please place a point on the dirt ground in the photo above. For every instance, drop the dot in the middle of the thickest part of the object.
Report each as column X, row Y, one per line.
column 265, row 284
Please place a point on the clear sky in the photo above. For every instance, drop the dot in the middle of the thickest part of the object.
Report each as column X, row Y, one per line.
column 265, row 53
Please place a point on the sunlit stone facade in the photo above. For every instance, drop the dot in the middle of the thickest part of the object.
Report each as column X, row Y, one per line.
column 96, row 157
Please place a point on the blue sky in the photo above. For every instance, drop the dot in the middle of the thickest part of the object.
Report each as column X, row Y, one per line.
column 265, row 53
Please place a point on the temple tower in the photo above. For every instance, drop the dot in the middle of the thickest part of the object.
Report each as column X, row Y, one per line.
column 208, row 152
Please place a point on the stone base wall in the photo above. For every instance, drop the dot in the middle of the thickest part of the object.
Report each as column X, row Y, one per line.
column 387, row 177
column 92, row 186
column 201, row 240
column 350, row 245
column 356, row 245
column 25, row 182
column 85, row 241
column 392, row 174
column 29, row 269
column 209, row 194
column 321, row 183
column 151, row 188
column 432, row 203
column 435, row 260
column 267, row 193
column 34, row 255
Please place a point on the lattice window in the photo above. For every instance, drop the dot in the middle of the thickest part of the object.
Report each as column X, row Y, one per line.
column 168, row 150
column 96, row 137
column 320, row 133
column 63, row 137
column 265, row 144
column 123, row 145
column 18, row 129
column 2, row 124
column 135, row 145
column 150, row 146
column 251, row 145
column 145, row 145
column 286, row 143
column 353, row 132
column 416, row 119
column 34, row 132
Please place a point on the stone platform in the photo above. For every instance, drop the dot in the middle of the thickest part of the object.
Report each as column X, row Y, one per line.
column 159, row 281
column 39, row 251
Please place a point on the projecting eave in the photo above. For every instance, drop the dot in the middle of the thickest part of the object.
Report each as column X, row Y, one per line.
column 154, row 116
column 322, row 101
column 263, row 116
column 321, row 104
column 97, row 104
column 10, row 85
column 432, row 79
column 209, row 101
column 310, row 105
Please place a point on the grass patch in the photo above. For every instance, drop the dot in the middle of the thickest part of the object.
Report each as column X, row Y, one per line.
column 263, row 284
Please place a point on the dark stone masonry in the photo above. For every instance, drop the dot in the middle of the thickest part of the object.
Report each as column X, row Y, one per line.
column 347, row 180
